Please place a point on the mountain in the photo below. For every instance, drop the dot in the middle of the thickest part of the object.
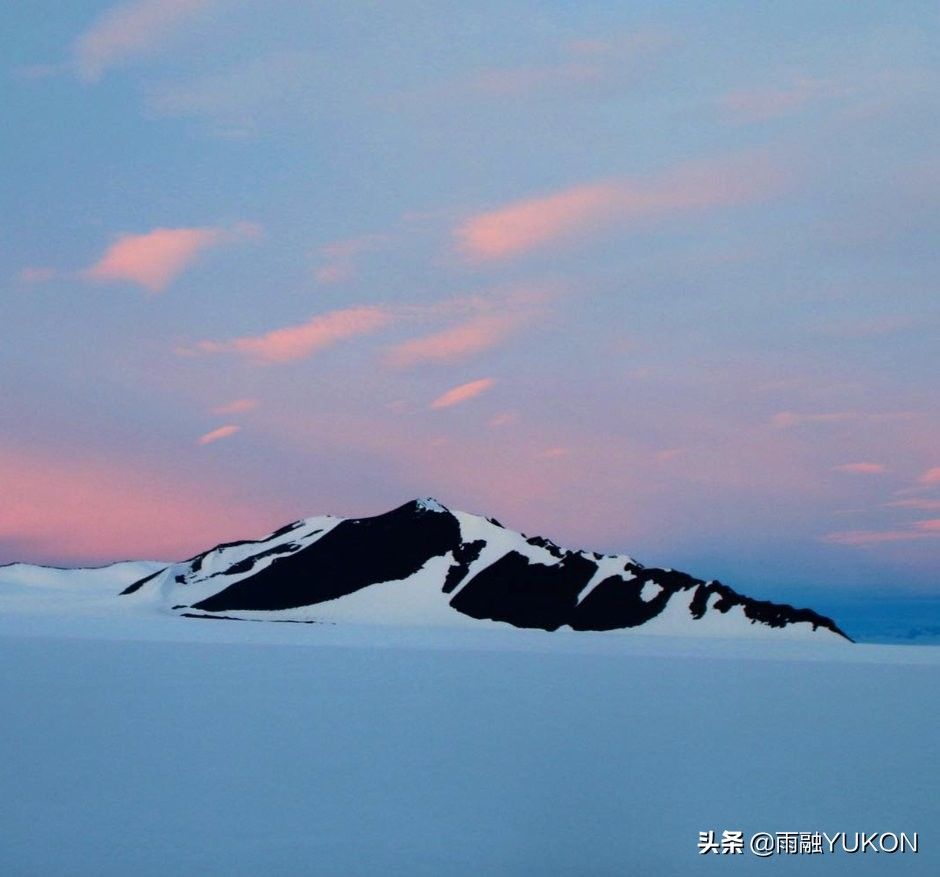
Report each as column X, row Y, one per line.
column 422, row 564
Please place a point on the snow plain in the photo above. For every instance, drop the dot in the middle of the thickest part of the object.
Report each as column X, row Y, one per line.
column 140, row 743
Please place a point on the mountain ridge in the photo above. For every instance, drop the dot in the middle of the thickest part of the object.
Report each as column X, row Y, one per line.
column 424, row 563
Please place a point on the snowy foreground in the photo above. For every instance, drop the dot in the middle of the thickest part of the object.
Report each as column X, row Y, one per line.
column 149, row 744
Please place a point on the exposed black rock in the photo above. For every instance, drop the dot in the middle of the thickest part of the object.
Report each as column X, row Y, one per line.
column 547, row 544
column 615, row 603
column 236, row 618
column 249, row 563
column 525, row 594
column 136, row 586
column 464, row 555
column 764, row 611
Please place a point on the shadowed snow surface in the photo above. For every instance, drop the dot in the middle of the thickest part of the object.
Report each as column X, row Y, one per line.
column 151, row 745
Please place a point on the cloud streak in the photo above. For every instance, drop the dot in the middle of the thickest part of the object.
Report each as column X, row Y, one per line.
column 924, row 505
column 129, row 31
column 533, row 223
column 292, row 343
column 217, row 434
column 462, row 393
column 861, row 468
column 457, row 342
column 931, row 476
column 237, row 406
column 928, row 529
column 487, row 321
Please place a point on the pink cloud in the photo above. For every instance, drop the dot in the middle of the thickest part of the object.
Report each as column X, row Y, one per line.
column 870, row 537
column 298, row 342
column 130, row 30
column 60, row 505
column 861, row 468
column 473, row 336
column 925, row 529
column 924, row 505
column 237, row 406
column 488, row 320
column 532, row 223
column 931, row 476
column 155, row 259
column 217, row 434
column 463, row 393
column 553, row 453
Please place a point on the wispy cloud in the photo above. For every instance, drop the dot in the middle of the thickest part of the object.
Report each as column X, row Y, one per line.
column 931, row 476
column 861, row 468
column 463, row 393
column 917, row 530
column 298, row 342
column 923, row 505
column 871, row 537
column 458, row 342
column 217, row 434
column 486, row 322
column 129, row 31
column 237, row 406
column 155, row 259
column 533, row 223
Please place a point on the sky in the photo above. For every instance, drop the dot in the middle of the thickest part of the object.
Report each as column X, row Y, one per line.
column 649, row 278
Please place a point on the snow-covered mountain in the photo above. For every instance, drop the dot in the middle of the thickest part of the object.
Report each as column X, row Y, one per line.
column 424, row 564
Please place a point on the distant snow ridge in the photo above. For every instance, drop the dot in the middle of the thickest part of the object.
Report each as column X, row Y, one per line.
column 423, row 564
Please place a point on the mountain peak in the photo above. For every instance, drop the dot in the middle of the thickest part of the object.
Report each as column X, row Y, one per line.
column 430, row 504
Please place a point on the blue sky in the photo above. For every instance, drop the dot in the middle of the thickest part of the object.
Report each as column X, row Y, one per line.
column 657, row 278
